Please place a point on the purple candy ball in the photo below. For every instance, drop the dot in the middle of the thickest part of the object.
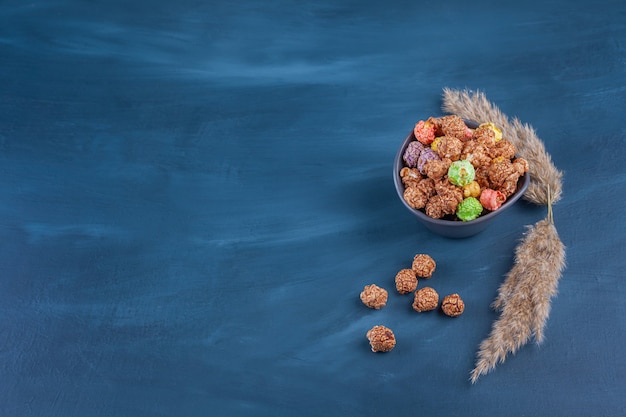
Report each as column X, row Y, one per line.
column 426, row 155
column 412, row 153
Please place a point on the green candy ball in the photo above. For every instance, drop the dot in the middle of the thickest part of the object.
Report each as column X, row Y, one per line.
column 469, row 209
column 461, row 173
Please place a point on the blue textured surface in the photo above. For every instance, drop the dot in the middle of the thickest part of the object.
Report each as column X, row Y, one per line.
column 193, row 194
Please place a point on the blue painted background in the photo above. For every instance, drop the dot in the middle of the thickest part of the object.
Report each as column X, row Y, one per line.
column 193, row 195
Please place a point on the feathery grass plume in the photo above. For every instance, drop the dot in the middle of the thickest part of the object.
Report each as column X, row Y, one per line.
column 475, row 106
column 507, row 288
column 551, row 250
column 525, row 295
column 544, row 175
column 524, row 298
column 509, row 332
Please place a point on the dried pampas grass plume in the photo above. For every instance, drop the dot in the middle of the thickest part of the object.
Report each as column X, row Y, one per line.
column 543, row 173
column 525, row 295
column 475, row 106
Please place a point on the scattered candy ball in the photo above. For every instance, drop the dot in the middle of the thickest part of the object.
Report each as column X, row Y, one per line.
column 452, row 305
column 472, row 189
column 423, row 265
column 484, row 135
column 433, row 145
column 470, row 160
column 426, row 299
column 449, row 147
column 503, row 149
column 461, row 173
column 426, row 155
column 424, row 131
column 412, row 154
column 492, row 199
column 452, row 125
column 445, row 201
column 469, row 209
column 410, row 177
column 374, row 296
column 497, row 132
column 406, row 281
column 417, row 195
column 381, row 339
column 436, row 169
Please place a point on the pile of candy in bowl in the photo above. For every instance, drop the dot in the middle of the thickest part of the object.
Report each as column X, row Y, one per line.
column 458, row 171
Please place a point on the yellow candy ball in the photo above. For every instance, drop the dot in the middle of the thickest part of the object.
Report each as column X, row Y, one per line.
column 433, row 145
column 471, row 190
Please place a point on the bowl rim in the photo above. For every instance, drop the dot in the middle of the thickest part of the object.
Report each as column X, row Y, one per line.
column 522, row 185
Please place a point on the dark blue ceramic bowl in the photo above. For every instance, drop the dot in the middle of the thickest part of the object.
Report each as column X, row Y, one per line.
column 453, row 228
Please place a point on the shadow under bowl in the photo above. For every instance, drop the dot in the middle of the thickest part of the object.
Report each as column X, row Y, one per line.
column 453, row 228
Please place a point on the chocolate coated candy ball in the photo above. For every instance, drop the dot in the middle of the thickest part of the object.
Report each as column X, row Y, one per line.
column 381, row 339
column 426, row 299
column 374, row 297
column 423, row 265
column 453, row 125
column 452, row 305
column 406, row 281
